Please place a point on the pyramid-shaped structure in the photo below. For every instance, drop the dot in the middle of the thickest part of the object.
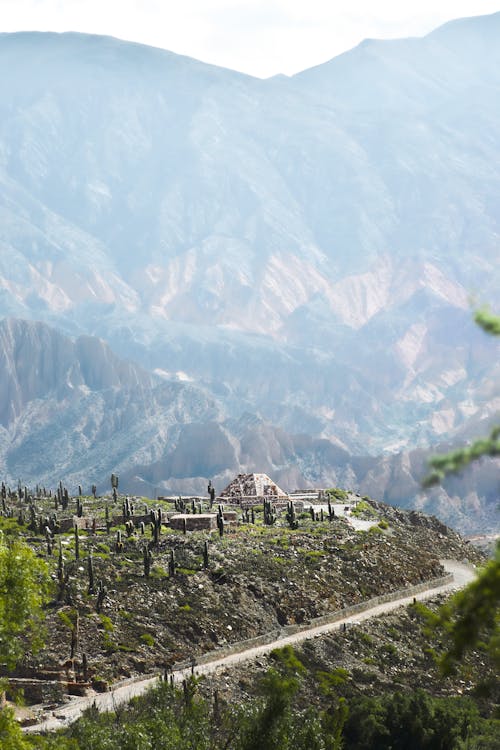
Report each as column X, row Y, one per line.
column 253, row 485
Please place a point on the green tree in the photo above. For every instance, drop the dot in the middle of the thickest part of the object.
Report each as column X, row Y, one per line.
column 24, row 589
column 473, row 614
column 11, row 736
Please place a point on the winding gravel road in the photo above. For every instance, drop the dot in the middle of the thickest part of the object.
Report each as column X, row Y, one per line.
column 124, row 691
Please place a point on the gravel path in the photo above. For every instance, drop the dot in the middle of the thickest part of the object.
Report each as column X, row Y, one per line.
column 124, row 691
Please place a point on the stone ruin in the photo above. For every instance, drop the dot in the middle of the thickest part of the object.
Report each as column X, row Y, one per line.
column 250, row 489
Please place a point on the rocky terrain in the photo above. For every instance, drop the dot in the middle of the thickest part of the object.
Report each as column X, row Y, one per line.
column 396, row 651
column 113, row 615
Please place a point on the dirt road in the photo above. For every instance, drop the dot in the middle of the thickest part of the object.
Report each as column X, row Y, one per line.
column 124, row 691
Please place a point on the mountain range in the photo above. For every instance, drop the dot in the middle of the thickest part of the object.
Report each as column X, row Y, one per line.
column 287, row 264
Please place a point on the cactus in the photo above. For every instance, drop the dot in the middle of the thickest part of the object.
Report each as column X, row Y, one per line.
column 94, row 490
column 220, row 521
column 60, row 564
column 126, row 512
column 62, row 576
column 101, row 593
column 77, row 542
column 322, row 515
column 290, row 515
column 75, row 635
column 205, row 555
column 114, row 481
column 171, row 564
column 85, row 668
column 118, row 543
column 108, row 522
column 80, row 490
column 148, row 558
column 331, row 511
column 269, row 513
column 79, row 507
column 90, row 568
column 142, row 528
column 184, row 525
column 129, row 528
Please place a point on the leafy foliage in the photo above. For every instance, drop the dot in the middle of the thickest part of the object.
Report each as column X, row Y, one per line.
column 474, row 613
column 24, row 588
column 472, row 616
column 456, row 460
column 171, row 719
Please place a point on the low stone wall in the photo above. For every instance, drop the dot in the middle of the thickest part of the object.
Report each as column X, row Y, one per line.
column 332, row 617
column 36, row 691
column 194, row 521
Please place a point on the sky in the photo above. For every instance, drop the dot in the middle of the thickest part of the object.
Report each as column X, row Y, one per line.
column 258, row 37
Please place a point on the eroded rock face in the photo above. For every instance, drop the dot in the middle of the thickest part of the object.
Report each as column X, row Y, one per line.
column 305, row 246
column 74, row 410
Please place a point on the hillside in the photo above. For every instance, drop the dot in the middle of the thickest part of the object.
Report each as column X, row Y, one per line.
column 255, row 578
column 110, row 617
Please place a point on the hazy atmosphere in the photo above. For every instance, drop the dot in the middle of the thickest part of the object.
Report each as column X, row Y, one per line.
column 249, row 375
column 259, row 37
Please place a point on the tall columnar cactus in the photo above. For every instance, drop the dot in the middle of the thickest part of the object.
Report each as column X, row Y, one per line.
column 313, row 515
column 171, row 564
column 75, row 635
column 269, row 513
column 85, row 668
column 126, row 508
column 147, row 559
column 60, row 563
column 331, row 510
column 101, row 594
column 290, row 515
column 94, row 490
column 114, row 481
column 108, row 521
column 79, row 507
column 205, row 555
column 77, row 542
column 80, row 490
column 118, row 543
column 220, row 521
column 129, row 528
column 90, row 568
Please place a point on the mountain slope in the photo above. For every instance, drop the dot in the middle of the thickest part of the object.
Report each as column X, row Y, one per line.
column 303, row 247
